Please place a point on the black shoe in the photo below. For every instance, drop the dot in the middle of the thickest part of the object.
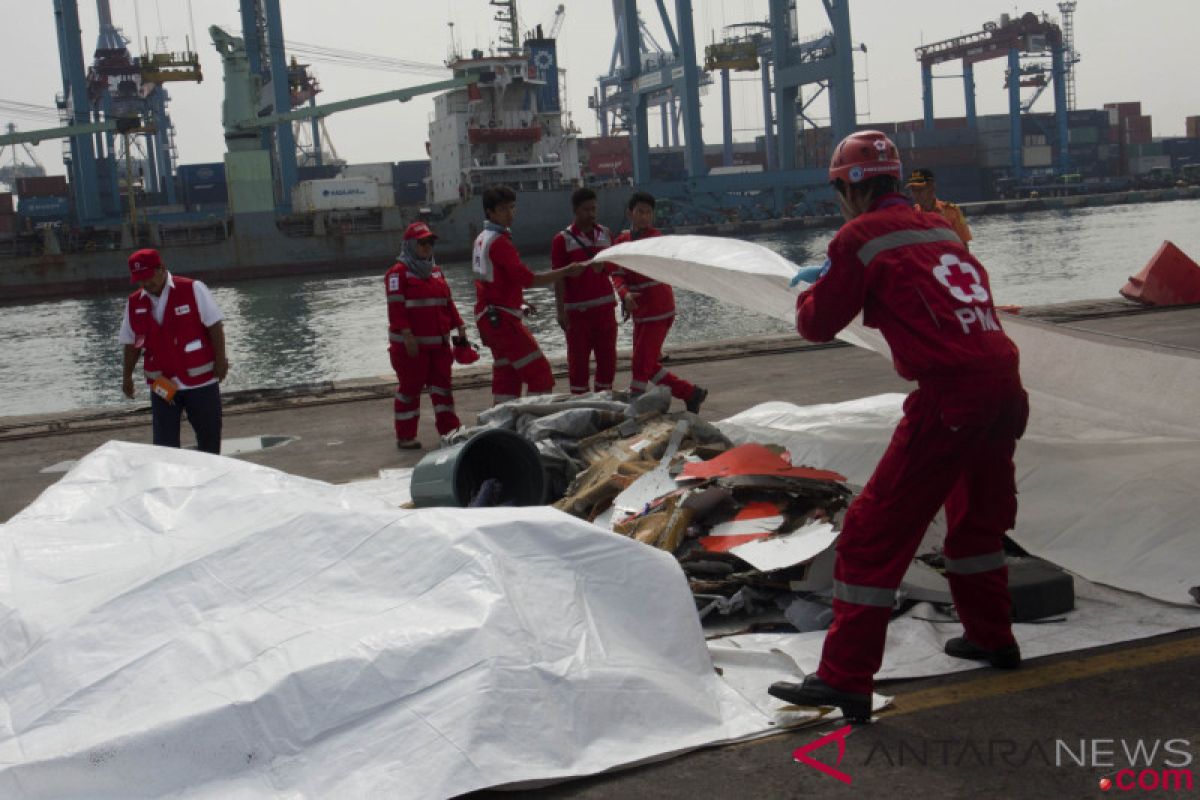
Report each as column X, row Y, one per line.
column 699, row 393
column 1004, row 658
column 815, row 692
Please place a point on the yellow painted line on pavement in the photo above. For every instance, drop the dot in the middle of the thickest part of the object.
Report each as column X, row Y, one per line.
column 997, row 683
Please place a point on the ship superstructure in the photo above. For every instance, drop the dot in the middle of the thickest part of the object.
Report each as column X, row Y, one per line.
column 506, row 128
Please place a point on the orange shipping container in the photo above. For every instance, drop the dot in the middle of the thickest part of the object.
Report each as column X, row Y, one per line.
column 6, row 203
column 1193, row 127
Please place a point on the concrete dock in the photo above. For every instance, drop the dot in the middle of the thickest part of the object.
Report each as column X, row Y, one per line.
column 977, row 734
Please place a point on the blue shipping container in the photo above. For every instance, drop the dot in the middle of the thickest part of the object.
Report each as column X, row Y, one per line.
column 44, row 209
column 203, row 184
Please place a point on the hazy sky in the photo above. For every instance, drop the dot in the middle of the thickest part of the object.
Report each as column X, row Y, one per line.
column 1143, row 51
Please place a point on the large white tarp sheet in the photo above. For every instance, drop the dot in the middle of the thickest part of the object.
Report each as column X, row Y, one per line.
column 1109, row 471
column 182, row 624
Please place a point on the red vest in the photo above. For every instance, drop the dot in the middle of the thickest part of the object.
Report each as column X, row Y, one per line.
column 500, row 275
column 655, row 300
column 910, row 275
column 422, row 305
column 590, row 289
column 179, row 346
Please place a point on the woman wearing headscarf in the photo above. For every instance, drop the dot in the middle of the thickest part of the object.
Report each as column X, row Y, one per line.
column 421, row 314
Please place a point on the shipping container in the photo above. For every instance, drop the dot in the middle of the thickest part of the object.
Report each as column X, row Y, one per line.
column 608, row 156
column 1037, row 155
column 950, row 137
column 43, row 186
column 1123, row 110
column 338, row 194
column 203, row 184
column 380, row 172
column 318, row 172
column 9, row 225
column 995, row 157
column 994, row 122
column 933, row 157
column 6, row 203
column 1092, row 118
column 1193, row 127
column 410, row 171
column 1142, row 165
column 1136, row 130
column 44, row 209
column 1083, row 136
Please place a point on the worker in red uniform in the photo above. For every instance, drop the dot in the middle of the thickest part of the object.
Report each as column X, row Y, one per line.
column 501, row 279
column 909, row 274
column 586, row 306
column 176, row 322
column 652, row 306
column 421, row 314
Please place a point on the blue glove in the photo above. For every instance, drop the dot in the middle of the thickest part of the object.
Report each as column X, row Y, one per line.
column 810, row 274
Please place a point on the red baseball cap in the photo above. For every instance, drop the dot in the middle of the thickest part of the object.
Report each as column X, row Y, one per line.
column 142, row 264
column 419, row 231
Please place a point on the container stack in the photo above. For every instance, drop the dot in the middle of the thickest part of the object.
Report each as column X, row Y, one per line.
column 8, row 217
column 44, row 199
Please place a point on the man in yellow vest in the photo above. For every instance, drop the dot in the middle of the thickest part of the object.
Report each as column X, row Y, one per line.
column 924, row 191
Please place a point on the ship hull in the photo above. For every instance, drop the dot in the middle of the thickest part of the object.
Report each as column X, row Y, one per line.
column 256, row 247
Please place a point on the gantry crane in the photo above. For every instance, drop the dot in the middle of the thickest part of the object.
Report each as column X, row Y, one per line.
column 1013, row 38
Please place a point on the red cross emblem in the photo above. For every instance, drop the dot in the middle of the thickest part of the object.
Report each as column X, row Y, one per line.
column 962, row 279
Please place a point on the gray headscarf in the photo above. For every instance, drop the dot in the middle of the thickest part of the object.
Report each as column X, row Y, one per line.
column 420, row 267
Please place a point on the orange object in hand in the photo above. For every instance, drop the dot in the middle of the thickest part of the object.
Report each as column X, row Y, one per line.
column 164, row 388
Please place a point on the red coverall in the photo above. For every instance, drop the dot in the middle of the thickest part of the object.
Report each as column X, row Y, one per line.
column 425, row 307
column 910, row 275
column 651, row 323
column 500, row 280
column 591, row 321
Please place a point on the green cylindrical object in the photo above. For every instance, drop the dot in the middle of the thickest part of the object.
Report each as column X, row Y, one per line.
column 453, row 476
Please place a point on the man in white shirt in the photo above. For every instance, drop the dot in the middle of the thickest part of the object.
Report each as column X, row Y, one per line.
column 177, row 324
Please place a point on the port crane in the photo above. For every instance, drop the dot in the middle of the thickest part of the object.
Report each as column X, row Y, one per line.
column 1012, row 38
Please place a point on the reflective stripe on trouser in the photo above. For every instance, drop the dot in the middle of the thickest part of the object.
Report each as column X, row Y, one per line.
column 926, row 464
column 516, row 358
column 648, row 338
column 429, row 367
column 591, row 331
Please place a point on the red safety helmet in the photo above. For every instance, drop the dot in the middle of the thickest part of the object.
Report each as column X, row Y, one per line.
column 864, row 155
column 465, row 354
column 419, row 231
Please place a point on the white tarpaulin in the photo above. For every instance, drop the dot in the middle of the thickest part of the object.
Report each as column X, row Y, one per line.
column 184, row 624
column 1109, row 470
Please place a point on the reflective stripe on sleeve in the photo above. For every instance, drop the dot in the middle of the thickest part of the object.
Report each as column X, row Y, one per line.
column 864, row 595
column 595, row 301
column 526, row 360
column 656, row 318
column 985, row 562
column 875, row 246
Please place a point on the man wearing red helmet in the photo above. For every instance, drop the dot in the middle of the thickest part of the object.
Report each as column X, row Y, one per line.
column 176, row 323
column 911, row 277
column 421, row 314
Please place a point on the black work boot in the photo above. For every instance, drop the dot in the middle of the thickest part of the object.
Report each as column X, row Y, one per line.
column 699, row 393
column 813, row 691
column 1004, row 658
